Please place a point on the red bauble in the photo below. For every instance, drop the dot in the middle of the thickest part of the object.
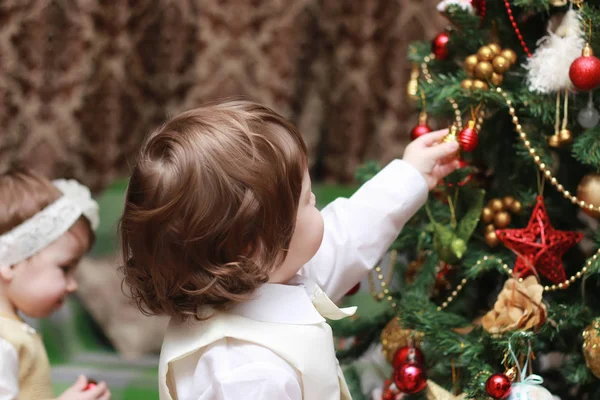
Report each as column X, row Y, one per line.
column 539, row 246
column 419, row 130
column 411, row 378
column 498, row 386
column 439, row 46
column 353, row 290
column 408, row 355
column 585, row 70
column 91, row 384
column 468, row 138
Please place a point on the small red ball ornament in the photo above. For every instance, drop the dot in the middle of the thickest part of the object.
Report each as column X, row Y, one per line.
column 498, row 386
column 353, row 290
column 419, row 130
column 439, row 46
column 468, row 138
column 91, row 384
column 411, row 378
column 585, row 70
column 408, row 355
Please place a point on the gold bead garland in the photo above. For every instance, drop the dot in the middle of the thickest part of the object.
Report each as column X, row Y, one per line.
column 542, row 166
column 384, row 283
column 505, row 267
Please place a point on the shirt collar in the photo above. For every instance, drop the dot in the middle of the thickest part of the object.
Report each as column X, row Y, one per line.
column 284, row 304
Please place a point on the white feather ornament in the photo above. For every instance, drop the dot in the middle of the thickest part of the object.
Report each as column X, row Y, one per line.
column 464, row 4
column 548, row 67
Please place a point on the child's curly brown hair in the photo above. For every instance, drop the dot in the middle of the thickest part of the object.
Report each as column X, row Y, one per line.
column 211, row 207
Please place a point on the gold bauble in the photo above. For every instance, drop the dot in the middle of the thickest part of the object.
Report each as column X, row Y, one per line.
column 502, row 220
column 484, row 70
column 394, row 336
column 480, row 85
column 510, row 55
column 467, row 84
column 565, row 136
column 491, row 239
column 508, row 201
column 495, row 48
column 516, row 207
column 487, row 214
column 490, row 228
column 500, row 64
column 497, row 79
column 588, row 190
column 554, row 141
column 591, row 347
column 496, row 205
column 485, row 54
column 470, row 63
column 558, row 3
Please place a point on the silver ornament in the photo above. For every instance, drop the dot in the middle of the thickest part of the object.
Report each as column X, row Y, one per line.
column 589, row 116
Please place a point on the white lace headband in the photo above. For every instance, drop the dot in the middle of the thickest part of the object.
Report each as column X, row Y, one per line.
column 49, row 224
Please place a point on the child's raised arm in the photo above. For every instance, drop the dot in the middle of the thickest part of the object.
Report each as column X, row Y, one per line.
column 359, row 230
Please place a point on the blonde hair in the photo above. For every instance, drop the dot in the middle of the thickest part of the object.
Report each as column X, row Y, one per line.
column 211, row 207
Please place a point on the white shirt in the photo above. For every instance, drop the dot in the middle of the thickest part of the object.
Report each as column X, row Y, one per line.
column 358, row 231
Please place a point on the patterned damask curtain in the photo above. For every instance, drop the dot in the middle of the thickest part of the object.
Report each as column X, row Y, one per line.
column 82, row 81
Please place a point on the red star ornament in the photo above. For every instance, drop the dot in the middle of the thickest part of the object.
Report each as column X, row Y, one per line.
column 539, row 247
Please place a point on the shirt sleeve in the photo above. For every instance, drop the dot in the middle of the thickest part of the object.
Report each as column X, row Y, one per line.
column 232, row 369
column 359, row 230
column 9, row 371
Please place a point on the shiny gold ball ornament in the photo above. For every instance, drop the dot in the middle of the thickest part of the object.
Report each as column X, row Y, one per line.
column 502, row 220
column 467, row 84
column 500, row 64
column 487, row 215
column 485, row 54
column 490, row 228
column 480, row 85
column 497, row 79
column 554, row 141
column 495, row 47
column 496, row 205
column 588, row 190
column 470, row 63
column 509, row 55
column 394, row 336
column 508, row 201
column 591, row 347
column 491, row 239
column 516, row 207
column 484, row 70
column 565, row 136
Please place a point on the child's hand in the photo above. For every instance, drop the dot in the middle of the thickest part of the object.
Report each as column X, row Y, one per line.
column 432, row 158
column 78, row 392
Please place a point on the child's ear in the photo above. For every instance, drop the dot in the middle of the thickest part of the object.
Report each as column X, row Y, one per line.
column 7, row 273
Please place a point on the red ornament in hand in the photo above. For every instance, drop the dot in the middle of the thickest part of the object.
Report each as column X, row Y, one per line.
column 539, row 246
column 408, row 355
column 439, row 46
column 585, row 70
column 498, row 386
column 353, row 290
column 468, row 138
column 91, row 384
column 422, row 128
column 411, row 378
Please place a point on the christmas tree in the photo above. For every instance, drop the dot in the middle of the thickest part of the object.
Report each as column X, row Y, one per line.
column 493, row 286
